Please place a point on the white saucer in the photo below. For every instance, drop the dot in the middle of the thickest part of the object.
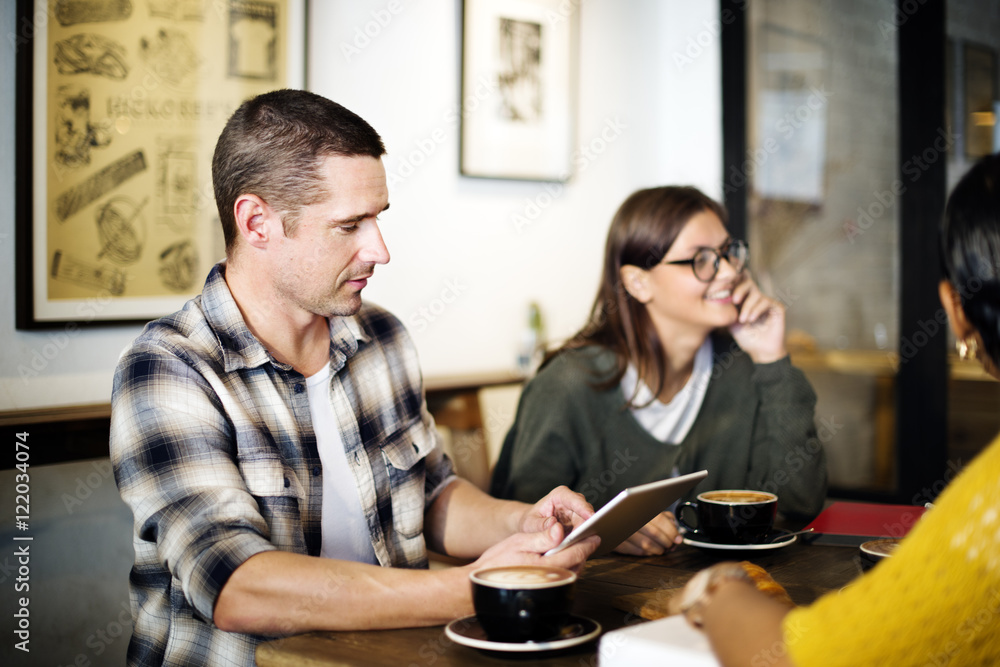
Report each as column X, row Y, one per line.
column 467, row 632
column 745, row 547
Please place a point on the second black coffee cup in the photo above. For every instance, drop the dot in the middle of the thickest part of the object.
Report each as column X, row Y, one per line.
column 731, row 516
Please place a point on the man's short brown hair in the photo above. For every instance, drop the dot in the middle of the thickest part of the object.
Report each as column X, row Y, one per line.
column 273, row 145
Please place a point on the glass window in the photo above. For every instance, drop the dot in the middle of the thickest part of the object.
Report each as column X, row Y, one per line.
column 823, row 213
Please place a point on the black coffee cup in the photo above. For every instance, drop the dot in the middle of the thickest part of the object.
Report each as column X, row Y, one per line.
column 731, row 516
column 522, row 603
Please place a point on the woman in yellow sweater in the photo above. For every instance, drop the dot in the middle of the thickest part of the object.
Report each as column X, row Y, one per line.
column 937, row 600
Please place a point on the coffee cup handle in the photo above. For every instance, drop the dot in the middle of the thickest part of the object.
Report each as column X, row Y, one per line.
column 688, row 528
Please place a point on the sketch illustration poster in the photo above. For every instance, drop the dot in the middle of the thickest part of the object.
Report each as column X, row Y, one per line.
column 129, row 99
column 518, row 88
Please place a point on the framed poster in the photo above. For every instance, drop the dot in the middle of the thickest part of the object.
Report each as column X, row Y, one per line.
column 518, row 88
column 119, row 104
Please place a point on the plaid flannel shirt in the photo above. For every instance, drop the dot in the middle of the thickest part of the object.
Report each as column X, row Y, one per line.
column 214, row 451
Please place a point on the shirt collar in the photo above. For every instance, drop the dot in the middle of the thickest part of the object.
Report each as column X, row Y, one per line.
column 631, row 382
column 241, row 349
column 345, row 335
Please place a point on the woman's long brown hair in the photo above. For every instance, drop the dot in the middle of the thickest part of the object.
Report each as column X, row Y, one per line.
column 642, row 231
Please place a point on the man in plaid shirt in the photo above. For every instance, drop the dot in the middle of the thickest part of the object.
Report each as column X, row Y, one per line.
column 272, row 438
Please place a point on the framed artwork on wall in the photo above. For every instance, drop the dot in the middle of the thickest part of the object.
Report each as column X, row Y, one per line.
column 518, row 88
column 119, row 104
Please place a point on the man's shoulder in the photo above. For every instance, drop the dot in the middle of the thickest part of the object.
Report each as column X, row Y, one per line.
column 192, row 326
column 184, row 332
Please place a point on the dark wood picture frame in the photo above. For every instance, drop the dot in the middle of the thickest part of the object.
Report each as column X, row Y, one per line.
column 118, row 105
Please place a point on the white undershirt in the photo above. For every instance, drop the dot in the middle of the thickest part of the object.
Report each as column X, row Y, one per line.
column 670, row 422
column 344, row 528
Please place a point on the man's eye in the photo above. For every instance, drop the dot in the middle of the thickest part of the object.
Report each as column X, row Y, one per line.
column 347, row 229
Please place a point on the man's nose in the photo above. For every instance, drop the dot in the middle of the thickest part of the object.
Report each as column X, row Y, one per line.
column 374, row 249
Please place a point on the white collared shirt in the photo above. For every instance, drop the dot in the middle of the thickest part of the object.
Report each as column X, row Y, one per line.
column 670, row 422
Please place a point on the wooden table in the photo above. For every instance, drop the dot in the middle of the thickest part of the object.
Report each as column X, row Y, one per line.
column 805, row 570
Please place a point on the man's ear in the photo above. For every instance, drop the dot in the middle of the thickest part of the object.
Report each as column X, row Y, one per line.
column 636, row 282
column 952, row 302
column 256, row 222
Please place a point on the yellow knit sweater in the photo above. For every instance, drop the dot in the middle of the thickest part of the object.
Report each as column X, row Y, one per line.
column 934, row 602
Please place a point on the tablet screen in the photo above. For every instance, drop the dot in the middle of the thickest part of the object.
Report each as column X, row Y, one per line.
column 629, row 511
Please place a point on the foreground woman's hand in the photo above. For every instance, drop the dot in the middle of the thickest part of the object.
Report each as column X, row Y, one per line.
column 656, row 537
column 700, row 590
column 742, row 623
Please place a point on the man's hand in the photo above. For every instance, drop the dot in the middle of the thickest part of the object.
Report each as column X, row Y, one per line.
column 541, row 527
column 656, row 537
column 760, row 327
column 568, row 508
column 529, row 549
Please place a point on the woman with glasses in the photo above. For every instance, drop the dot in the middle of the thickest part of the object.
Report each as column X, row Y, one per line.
column 681, row 367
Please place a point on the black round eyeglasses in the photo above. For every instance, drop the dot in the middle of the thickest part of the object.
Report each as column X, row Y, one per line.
column 705, row 262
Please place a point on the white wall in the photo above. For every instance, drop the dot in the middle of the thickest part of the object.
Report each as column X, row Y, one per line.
column 662, row 124
column 648, row 118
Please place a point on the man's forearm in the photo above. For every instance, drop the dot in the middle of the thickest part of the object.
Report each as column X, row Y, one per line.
column 464, row 521
column 277, row 592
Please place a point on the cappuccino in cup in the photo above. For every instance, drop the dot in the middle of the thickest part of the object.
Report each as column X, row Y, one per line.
column 521, row 603
column 731, row 516
column 523, row 577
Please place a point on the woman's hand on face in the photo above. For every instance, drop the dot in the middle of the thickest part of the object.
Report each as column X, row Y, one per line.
column 760, row 327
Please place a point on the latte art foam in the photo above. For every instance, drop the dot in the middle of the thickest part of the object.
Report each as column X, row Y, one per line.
column 737, row 497
column 523, row 577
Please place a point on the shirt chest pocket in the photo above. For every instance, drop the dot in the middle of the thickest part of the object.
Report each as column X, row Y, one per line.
column 267, row 478
column 278, row 494
column 263, row 469
column 404, row 453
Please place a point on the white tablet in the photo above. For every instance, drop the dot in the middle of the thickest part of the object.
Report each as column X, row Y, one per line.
column 629, row 511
